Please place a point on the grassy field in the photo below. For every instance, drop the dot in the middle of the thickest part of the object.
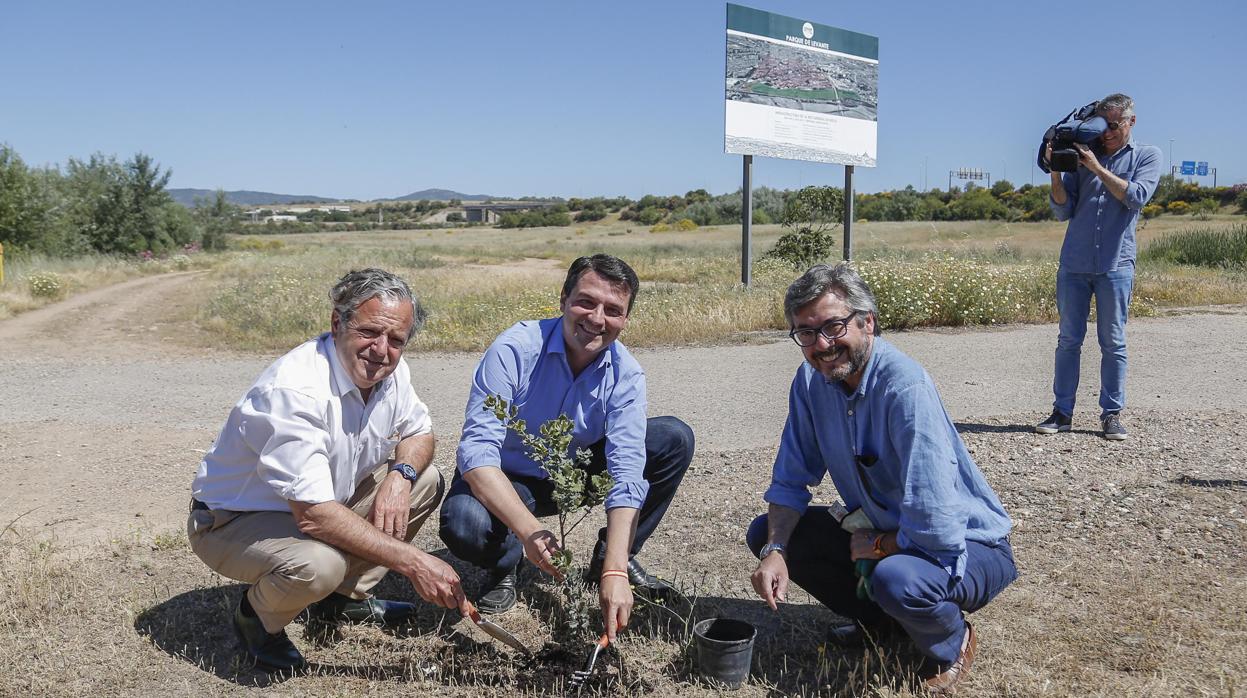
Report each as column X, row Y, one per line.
column 478, row 281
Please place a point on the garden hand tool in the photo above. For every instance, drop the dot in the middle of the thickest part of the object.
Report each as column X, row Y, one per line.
column 495, row 631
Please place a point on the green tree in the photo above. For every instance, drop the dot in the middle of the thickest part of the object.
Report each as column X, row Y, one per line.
column 31, row 208
column 810, row 217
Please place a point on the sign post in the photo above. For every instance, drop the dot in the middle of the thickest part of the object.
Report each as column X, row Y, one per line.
column 746, row 224
column 800, row 91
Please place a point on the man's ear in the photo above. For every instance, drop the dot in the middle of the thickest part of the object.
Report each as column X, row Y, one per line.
column 333, row 322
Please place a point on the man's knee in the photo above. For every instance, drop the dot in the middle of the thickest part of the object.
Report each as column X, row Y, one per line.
column 313, row 571
column 755, row 536
column 897, row 588
column 671, row 440
column 427, row 492
column 465, row 523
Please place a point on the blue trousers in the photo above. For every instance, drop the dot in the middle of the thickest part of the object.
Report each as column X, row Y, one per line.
column 474, row 535
column 909, row 587
column 1074, row 292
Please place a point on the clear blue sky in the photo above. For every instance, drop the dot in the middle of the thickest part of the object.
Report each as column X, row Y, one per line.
column 379, row 99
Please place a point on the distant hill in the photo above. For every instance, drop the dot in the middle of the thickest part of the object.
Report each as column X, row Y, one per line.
column 442, row 195
column 187, row 197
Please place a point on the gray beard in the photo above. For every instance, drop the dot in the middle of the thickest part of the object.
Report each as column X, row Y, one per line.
column 856, row 363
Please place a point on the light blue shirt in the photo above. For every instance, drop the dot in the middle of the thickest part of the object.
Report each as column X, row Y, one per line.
column 1100, row 234
column 527, row 366
column 891, row 450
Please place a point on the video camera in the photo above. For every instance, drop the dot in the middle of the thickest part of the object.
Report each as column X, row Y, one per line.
column 1079, row 126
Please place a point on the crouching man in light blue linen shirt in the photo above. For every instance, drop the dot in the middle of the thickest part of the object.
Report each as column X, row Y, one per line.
column 572, row 365
column 870, row 417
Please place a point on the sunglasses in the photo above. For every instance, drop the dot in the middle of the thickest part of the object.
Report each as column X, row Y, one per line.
column 1114, row 125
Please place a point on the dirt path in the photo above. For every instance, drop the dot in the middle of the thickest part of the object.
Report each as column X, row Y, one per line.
column 103, row 418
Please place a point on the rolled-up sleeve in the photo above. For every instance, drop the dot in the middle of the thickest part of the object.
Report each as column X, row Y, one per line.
column 799, row 463
column 932, row 518
column 1145, row 178
column 1062, row 212
column 625, row 442
column 288, row 432
column 497, row 374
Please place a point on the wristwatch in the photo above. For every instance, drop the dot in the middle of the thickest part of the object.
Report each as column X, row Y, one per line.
column 406, row 471
column 771, row 548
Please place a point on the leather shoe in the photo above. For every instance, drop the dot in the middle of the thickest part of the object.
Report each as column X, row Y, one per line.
column 945, row 681
column 854, row 634
column 498, row 594
column 271, row 651
column 638, row 577
column 337, row 608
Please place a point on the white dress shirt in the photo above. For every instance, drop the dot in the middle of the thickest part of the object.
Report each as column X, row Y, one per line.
column 302, row 432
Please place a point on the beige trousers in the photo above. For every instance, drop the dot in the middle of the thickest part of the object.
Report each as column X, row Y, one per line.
column 287, row 569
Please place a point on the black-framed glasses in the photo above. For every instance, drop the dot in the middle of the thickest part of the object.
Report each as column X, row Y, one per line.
column 831, row 331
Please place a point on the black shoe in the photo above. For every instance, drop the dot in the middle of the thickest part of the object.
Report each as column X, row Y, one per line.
column 855, row 634
column 638, row 578
column 1054, row 423
column 498, row 594
column 337, row 608
column 271, row 651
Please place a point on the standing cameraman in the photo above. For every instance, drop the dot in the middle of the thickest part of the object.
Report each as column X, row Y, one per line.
column 1101, row 201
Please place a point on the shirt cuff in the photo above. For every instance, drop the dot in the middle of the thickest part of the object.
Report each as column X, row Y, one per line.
column 627, row 494
column 795, row 499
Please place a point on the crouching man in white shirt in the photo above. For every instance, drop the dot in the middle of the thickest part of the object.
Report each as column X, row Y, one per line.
column 299, row 496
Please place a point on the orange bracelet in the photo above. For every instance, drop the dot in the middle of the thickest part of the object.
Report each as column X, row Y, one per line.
column 614, row 573
column 878, row 545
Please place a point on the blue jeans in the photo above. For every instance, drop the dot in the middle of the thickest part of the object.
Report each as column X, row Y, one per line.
column 474, row 535
column 1074, row 291
column 909, row 587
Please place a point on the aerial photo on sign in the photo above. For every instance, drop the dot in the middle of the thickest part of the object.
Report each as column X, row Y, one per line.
column 799, row 90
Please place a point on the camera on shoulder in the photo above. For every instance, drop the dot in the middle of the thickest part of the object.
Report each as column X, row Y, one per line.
column 1083, row 126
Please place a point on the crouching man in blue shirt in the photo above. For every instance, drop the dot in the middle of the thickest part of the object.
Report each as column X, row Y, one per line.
column 572, row 365
column 869, row 416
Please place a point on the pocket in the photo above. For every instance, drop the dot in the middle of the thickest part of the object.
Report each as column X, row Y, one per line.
column 380, row 452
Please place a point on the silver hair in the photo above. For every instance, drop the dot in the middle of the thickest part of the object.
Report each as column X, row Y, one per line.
column 1116, row 100
column 822, row 279
column 358, row 287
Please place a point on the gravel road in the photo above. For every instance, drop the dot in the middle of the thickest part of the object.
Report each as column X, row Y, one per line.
column 103, row 414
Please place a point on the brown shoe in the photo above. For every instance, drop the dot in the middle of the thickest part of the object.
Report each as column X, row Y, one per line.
column 945, row 682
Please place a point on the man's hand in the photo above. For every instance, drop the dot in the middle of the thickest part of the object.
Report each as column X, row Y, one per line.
column 437, row 582
column 615, row 596
column 770, row 580
column 391, row 508
column 1088, row 159
column 540, row 547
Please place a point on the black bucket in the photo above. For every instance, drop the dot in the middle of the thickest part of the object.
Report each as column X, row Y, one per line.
column 724, row 649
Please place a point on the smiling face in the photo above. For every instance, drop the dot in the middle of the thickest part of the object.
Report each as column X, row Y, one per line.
column 371, row 343
column 1115, row 138
column 843, row 359
column 594, row 314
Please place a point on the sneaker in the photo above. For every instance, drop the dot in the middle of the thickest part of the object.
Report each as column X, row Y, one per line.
column 1113, row 429
column 1054, row 423
column 498, row 595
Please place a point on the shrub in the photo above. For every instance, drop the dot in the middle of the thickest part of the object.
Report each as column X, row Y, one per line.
column 1178, row 208
column 660, row 228
column 1153, row 210
column 1202, row 247
column 1242, row 201
column 45, row 284
column 1204, row 208
column 811, row 215
column 685, row 224
column 180, row 262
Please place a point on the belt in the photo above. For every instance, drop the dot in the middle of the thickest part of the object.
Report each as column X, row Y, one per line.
column 197, row 505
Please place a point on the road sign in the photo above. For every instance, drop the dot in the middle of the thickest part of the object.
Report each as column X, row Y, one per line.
column 1201, row 168
column 1188, row 167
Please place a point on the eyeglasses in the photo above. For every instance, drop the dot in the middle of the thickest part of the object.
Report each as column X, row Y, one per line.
column 831, row 331
column 1114, row 125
